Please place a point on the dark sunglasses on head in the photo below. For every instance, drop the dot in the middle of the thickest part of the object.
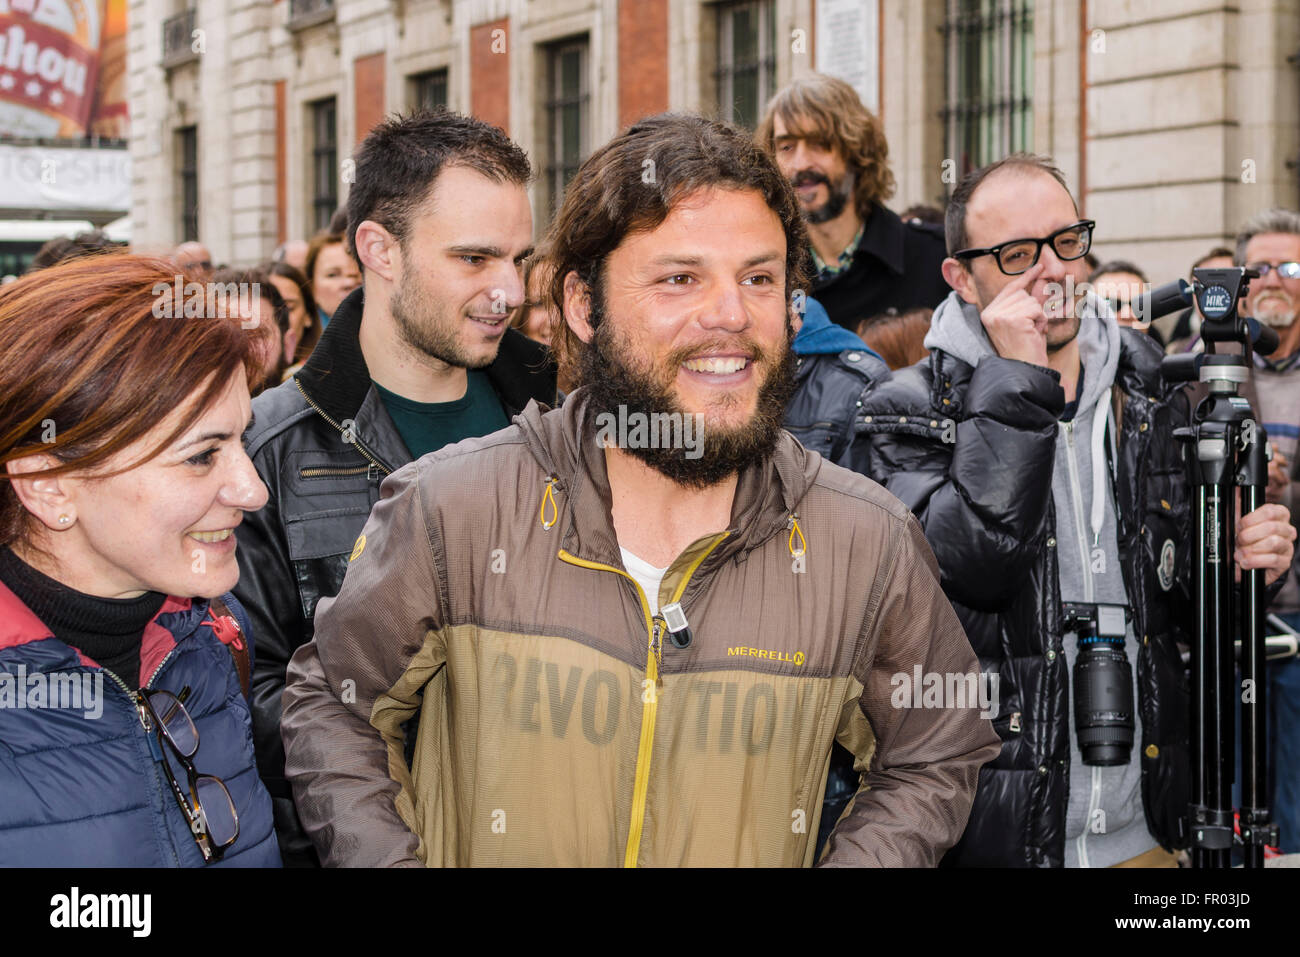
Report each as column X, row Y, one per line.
column 1016, row 256
column 210, row 810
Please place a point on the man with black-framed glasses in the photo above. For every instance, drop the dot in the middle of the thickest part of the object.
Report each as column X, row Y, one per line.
column 1035, row 445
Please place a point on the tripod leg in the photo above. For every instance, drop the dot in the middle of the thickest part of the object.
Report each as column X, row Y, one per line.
column 1257, row 827
column 1211, row 808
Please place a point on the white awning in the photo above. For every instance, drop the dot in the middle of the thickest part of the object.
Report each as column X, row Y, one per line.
column 119, row 230
column 52, row 178
column 40, row 230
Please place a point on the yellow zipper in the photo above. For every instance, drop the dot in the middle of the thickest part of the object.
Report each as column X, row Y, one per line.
column 649, row 706
column 647, row 711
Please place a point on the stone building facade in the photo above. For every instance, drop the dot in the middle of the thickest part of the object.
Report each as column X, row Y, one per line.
column 1172, row 119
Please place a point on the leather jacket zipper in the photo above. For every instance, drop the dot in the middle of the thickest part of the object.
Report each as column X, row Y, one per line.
column 322, row 413
column 337, row 471
column 1011, row 722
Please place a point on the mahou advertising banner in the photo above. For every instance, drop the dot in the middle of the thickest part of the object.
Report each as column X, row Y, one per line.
column 49, row 66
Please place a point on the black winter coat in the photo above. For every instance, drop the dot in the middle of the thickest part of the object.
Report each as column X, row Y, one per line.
column 828, row 388
column 970, row 451
column 898, row 266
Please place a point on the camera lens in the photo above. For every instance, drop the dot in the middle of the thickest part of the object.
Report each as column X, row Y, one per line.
column 1103, row 702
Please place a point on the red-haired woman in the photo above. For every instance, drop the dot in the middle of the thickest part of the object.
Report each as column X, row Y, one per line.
column 124, row 733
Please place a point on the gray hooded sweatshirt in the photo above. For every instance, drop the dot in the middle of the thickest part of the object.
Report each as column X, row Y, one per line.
column 1104, row 820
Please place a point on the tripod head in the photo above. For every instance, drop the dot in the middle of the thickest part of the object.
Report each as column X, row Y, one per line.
column 1218, row 292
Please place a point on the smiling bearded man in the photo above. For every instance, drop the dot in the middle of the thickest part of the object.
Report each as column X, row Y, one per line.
column 632, row 658
column 833, row 151
column 615, row 384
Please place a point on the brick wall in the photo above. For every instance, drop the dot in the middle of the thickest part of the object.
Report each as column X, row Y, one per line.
column 368, row 87
column 489, row 72
column 642, row 59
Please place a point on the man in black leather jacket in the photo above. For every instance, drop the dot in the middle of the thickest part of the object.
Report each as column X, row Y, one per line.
column 1024, row 514
column 420, row 356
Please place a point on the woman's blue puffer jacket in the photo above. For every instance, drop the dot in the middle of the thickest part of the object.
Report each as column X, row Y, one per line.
column 83, row 786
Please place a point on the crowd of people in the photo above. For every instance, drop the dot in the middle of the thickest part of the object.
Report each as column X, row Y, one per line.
column 736, row 520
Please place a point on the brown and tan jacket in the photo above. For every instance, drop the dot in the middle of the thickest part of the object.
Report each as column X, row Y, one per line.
column 559, row 726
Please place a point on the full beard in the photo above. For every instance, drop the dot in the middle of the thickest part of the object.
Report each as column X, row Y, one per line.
column 418, row 318
column 837, row 199
column 612, row 383
column 1278, row 313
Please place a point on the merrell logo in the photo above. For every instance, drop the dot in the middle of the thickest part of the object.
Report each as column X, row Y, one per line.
column 795, row 659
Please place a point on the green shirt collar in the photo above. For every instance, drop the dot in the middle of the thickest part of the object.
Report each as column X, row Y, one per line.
column 843, row 261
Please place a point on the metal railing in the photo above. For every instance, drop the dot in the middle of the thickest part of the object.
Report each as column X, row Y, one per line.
column 1294, row 163
column 989, row 79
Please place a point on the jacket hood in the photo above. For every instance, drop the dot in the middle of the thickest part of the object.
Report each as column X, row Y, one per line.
column 956, row 329
column 819, row 336
column 563, row 443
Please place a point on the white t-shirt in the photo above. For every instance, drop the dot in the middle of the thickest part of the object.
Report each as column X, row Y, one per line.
column 646, row 575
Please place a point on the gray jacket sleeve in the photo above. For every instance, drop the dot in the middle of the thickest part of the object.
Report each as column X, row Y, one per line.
column 921, row 757
column 376, row 646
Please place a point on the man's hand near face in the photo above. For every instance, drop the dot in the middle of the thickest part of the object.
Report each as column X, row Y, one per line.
column 1015, row 322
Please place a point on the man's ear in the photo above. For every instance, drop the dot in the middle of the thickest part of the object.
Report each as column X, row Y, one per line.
column 957, row 275
column 577, row 306
column 378, row 250
column 48, row 498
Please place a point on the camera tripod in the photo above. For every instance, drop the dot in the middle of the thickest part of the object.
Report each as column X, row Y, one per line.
column 1227, row 455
